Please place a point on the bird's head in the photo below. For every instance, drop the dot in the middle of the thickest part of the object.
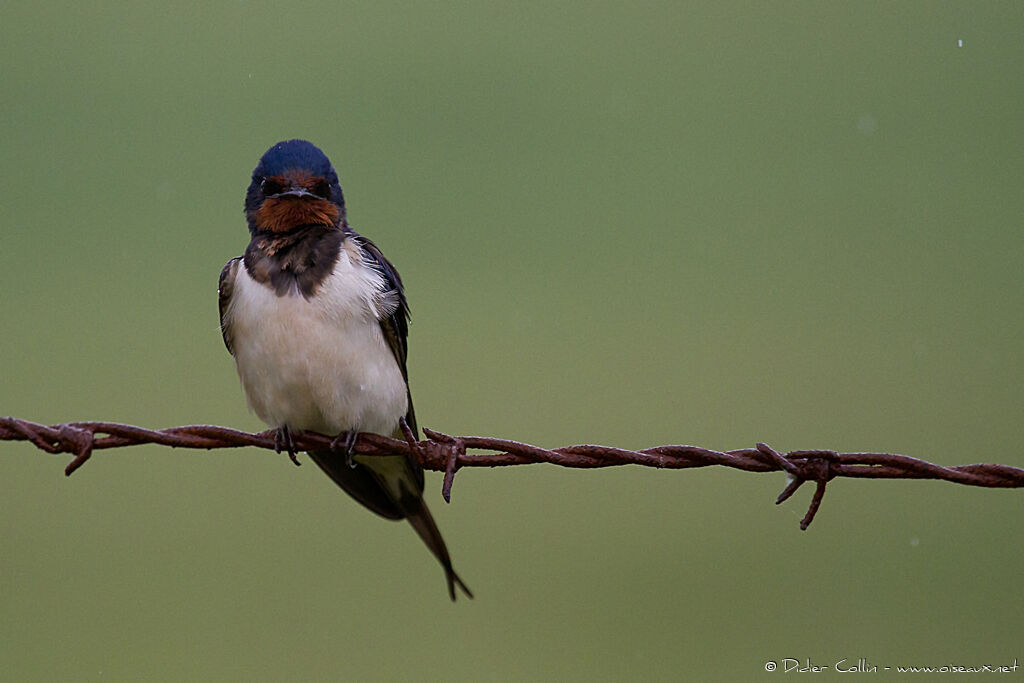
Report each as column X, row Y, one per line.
column 294, row 185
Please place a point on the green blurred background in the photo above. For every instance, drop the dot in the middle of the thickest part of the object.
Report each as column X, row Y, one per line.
column 715, row 224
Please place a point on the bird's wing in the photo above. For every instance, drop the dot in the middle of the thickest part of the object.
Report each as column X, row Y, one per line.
column 225, row 290
column 361, row 482
column 395, row 327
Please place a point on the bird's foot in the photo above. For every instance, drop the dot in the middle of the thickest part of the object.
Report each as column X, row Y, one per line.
column 283, row 440
column 346, row 441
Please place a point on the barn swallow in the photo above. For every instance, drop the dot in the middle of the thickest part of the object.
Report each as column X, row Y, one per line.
column 317, row 321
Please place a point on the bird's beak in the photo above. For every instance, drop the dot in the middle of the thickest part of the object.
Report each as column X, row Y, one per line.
column 295, row 192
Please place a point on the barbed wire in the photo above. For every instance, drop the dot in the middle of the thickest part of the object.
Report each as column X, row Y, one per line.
column 444, row 453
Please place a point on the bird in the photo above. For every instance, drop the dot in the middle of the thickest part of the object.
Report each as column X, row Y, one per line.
column 317, row 320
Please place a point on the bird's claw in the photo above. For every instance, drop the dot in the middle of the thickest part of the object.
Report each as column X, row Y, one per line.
column 346, row 442
column 283, row 440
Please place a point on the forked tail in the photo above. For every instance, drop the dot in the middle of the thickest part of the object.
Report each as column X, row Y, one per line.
column 422, row 521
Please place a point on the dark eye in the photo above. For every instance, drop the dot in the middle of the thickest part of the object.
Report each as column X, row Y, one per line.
column 271, row 187
column 322, row 189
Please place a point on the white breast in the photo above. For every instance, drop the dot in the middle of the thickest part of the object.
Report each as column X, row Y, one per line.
column 322, row 364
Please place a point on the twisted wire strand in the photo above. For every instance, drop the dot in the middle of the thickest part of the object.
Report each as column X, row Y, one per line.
column 445, row 453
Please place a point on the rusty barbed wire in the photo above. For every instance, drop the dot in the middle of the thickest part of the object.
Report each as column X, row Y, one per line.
column 444, row 453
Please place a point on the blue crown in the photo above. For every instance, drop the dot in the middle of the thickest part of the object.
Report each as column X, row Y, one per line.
column 292, row 154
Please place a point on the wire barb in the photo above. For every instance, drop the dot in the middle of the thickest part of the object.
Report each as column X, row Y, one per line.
column 445, row 453
column 455, row 448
